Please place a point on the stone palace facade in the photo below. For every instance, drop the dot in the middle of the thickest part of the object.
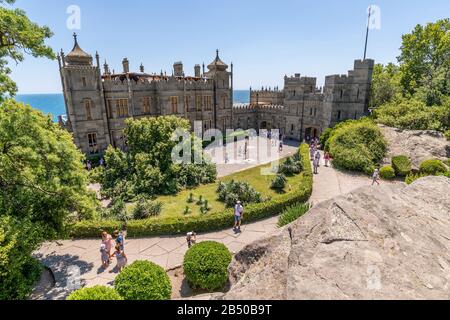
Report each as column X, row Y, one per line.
column 99, row 101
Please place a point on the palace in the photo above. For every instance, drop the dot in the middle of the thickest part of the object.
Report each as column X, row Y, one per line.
column 99, row 101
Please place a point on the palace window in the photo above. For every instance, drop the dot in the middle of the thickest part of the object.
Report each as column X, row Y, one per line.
column 207, row 102
column 315, row 112
column 342, row 94
column 186, row 102
column 174, row 104
column 198, row 103
column 339, row 115
column 146, row 103
column 224, row 101
column 88, row 107
column 122, row 108
column 84, row 81
column 311, row 112
column 357, row 95
column 110, row 109
column 92, row 141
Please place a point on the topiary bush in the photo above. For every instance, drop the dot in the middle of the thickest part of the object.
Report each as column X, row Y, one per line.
column 387, row 173
column 95, row 293
column 432, row 167
column 206, row 265
column 279, row 183
column 401, row 165
column 291, row 166
column 293, row 213
column 143, row 280
column 357, row 145
column 230, row 193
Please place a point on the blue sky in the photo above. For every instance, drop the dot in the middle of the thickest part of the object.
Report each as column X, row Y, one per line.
column 264, row 39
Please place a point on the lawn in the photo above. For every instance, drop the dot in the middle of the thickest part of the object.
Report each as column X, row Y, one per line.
column 174, row 205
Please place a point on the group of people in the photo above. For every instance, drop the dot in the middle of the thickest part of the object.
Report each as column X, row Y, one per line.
column 316, row 155
column 90, row 166
column 118, row 242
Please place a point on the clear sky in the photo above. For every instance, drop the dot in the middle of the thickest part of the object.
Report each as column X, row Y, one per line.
column 264, row 39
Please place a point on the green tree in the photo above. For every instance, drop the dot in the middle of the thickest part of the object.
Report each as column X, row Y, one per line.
column 385, row 84
column 19, row 35
column 425, row 61
column 42, row 184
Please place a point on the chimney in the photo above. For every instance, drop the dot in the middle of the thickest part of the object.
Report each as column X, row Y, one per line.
column 178, row 69
column 197, row 70
column 126, row 65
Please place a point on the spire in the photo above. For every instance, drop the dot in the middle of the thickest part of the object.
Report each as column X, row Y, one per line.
column 77, row 56
column 75, row 38
column 142, row 68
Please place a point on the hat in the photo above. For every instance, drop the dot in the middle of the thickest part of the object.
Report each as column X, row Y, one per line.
column 238, row 202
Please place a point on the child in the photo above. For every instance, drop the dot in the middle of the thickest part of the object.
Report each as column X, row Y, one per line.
column 105, row 256
column 376, row 177
column 191, row 238
column 119, row 239
column 121, row 258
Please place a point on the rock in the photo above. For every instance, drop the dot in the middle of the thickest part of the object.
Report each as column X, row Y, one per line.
column 388, row 242
column 418, row 145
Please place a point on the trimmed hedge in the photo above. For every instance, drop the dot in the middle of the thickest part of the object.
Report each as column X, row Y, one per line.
column 206, row 265
column 96, row 293
column 433, row 167
column 387, row 173
column 211, row 222
column 401, row 165
column 143, row 280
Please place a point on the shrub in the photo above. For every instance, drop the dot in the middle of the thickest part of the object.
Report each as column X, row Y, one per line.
column 447, row 135
column 279, row 183
column 432, row 167
column 95, row 293
column 146, row 208
column 206, row 265
column 203, row 223
column 357, row 145
column 401, row 165
column 410, row 178
column 143, row 280
column 387, row 172
column 230, row 193
column 291, row 167
column 325, row 136
column 293, row 213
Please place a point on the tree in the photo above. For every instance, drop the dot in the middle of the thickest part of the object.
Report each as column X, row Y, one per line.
column 19, row 35
column 42, row 184
column 425, row 61
column 385, row 84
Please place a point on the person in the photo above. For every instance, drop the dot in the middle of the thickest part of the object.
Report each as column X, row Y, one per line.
column 376, row 177
column 316, row 165
column 105, row 256
column 89, row 165
column 327, row 159
column 318, row 157
column 191, row 238
column 281, row 146
column 120, row 241
column 121, row 258
column 107, row 241
column 312, row 151
column 238, row 215
column 102, row 162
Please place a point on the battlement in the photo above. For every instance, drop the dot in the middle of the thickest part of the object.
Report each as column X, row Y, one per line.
column 252, row 106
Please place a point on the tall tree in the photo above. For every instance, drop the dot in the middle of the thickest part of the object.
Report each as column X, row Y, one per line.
column 19, row 35
column 425, row 61
column 385, row 84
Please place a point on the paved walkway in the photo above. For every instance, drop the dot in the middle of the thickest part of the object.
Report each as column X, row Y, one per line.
column 79, row 259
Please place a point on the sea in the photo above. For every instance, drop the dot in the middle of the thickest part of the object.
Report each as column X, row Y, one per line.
column 53, row 104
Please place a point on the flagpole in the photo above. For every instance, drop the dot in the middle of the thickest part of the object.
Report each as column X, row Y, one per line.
column 367, row 32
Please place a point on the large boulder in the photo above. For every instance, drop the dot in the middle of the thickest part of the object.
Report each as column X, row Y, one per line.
column 388, row 242
column 418, row 145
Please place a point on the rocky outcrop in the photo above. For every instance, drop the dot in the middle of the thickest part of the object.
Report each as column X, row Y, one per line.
column 418, row 145
column 388, row 242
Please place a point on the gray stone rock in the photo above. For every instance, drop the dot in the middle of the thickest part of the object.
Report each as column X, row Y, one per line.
column 418, row 145
column 388, row 242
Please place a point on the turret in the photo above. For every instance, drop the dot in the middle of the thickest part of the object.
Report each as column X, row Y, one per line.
column 126, row 65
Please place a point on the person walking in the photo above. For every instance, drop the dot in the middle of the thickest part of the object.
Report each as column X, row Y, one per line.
column 238, row 215
column 318, row 156
column 120, row 240
column 121, row 258
column 316, row 165
column 312, row 151
column 327, row 159
column 89, row 165
column 107, row 241
column 191, row 238
column 376, row 177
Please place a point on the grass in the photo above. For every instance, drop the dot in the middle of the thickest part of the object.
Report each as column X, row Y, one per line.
column 175, row 205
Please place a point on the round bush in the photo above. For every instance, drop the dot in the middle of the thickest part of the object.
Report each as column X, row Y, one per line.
column 357, row 145
column 206, row 265
column 143, row 280
column 387, row 172
column 401, row 165
column 433, row 167
column 95, row 293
